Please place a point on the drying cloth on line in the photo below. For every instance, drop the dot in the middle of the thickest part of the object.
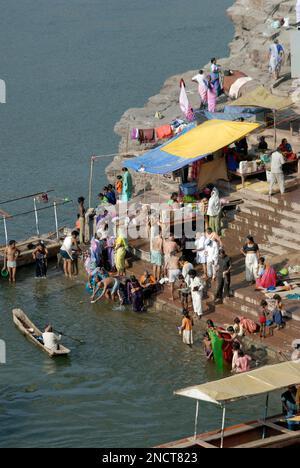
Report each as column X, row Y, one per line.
column 165, row 131
column 147, row 136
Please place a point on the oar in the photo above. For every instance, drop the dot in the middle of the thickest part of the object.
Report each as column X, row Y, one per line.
column 71, row 337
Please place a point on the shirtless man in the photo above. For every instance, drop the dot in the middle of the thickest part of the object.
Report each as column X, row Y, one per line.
column 11, row 253
column 174, row 271
column 110, row 288
column 169, row 246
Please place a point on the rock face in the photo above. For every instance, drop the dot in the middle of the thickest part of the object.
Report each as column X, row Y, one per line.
column 253, row 21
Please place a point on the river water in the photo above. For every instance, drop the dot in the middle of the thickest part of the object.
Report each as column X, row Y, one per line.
column 71, row 69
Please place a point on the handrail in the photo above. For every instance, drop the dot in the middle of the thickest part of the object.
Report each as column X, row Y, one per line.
column 25, row 196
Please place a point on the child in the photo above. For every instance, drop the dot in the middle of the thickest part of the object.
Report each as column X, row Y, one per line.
column 261, row 269
column 263, row 316
column 183, row 292
column 119, row 186
column 186, row 329
column 207, row 347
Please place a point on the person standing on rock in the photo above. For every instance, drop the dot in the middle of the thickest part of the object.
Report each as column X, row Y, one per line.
column 127, row 185
column 276, row 58
column 277, row 175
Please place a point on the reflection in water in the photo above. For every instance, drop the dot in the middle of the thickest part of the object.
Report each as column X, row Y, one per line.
column 116, row 389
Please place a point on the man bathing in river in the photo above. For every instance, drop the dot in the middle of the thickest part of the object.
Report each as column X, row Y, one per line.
column 11, row 254
column 110, row 287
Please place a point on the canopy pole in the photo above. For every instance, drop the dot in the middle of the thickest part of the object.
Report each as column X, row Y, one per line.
column 36, row 218
column 266, row 415
column 196, row 420
column 5, row 231
column 56, row 221
column 223, row 426
column 91, row 181
column 275, row 129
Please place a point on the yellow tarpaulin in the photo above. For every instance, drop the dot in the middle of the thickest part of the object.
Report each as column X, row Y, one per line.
column 261, row 97
column 209, row 137
column 258, row 382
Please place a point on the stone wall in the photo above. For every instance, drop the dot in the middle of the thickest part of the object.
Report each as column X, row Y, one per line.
column 248, row 53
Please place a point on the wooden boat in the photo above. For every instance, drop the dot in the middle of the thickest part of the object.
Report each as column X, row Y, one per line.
column 27, row 247
column 29, row 330
column 268, row 432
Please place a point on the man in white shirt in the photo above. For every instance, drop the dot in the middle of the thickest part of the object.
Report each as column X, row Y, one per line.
column 197, row 287
column 212, row 257
column 277, row 176
column 50, row 339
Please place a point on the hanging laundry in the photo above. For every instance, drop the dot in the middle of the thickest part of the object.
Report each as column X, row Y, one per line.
column 147, row 136
column 165, row 131
column 135, row 134
column 183, row 99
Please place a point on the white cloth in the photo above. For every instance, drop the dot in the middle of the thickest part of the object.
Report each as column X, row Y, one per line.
column 173, row 275
column 214, row 204
column 197, row 295
column 298, row 11
column 187, row 337
column 183, row 100
column 251, row 266
column 212, row 258
column 274, row 58
column 234, row 91
column 277, row 161
column 212, row 252
column 67, row 244
column 279, row 180
column 187, row 267
column 199, row 78
column 200, row 245
column 51, row 340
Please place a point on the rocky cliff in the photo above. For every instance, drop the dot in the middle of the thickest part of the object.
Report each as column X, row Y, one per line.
column 253, row 20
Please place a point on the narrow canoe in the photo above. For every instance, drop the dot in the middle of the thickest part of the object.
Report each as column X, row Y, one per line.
column 28, row 329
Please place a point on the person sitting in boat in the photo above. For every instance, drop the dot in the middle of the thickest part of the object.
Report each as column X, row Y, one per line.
column 287, row 150
column 50, row 339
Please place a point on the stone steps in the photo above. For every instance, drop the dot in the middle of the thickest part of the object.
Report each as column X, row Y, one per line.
column 245, row 303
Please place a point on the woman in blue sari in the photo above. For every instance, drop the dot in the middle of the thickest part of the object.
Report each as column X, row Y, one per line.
column 215, row 76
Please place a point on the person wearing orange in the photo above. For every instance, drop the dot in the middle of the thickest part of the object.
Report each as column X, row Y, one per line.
column 186, row 329
column 119, row 186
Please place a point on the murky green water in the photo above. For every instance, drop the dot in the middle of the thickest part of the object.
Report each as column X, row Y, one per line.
column 116, row 390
